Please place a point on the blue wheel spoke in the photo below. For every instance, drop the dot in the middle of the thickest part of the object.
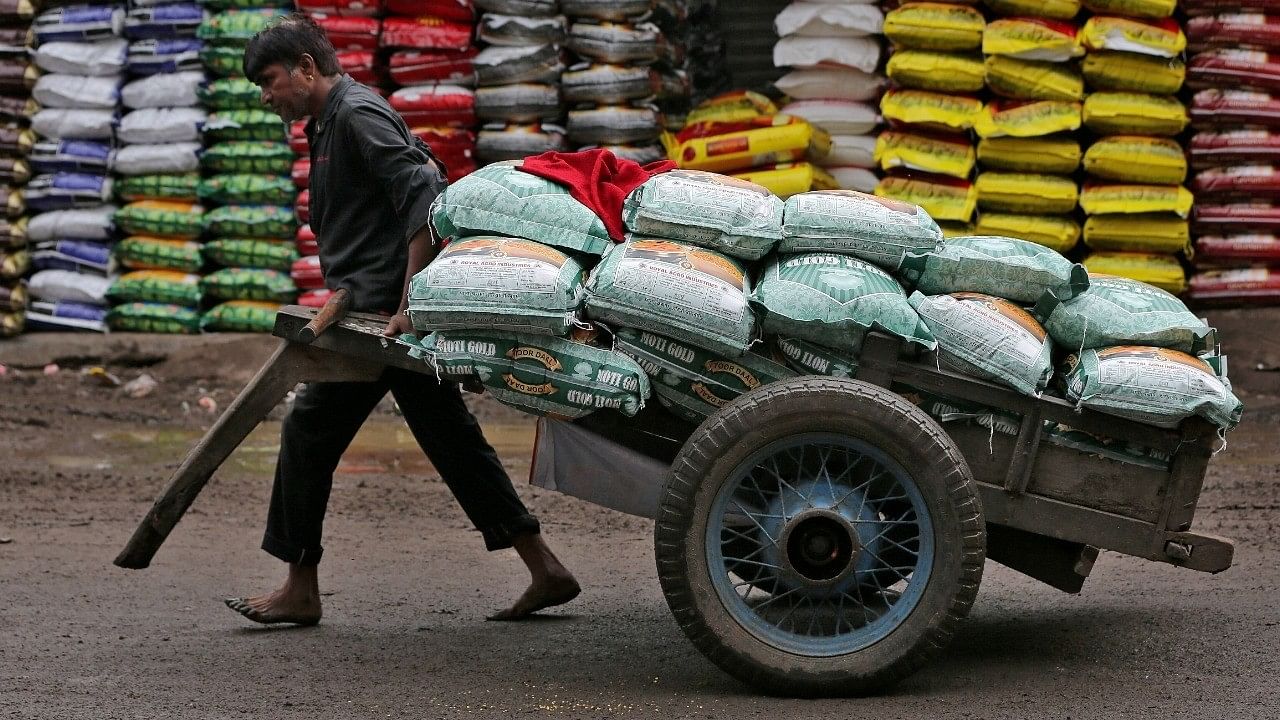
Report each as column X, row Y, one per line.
column 757, row 523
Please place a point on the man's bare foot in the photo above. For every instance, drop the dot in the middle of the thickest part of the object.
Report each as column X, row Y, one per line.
column 296, row 602
column 542, row 594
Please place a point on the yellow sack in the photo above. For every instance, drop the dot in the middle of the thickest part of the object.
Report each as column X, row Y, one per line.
column 944, row 72
column 1134, row 8
column 952, row 155
column 956, row 229
column 1138, row 159
column 1033, row 79
column 930, row 109
column 1161, row 38
column 1055, row 155
column 729, row 147
column 1026, row 193
column 1116, row 113
column 1100, row 199
column 787, row 179
column 1059, row 233
column 1163, row 271
column 1035, row 118
column 935, row 26
column 1155, row 233
column 1132, row 72
column 1032, row 39
column 942, row 197
column 732, row 107
column 1059, row 9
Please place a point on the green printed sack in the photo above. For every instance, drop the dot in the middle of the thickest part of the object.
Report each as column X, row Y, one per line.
column 132, row 188
column 223, row 60
column 232, row 93
column 1009, row 268
column 1120, row 311
column 156, row 286
column 689, row 293
column 498, row 283
column 876, row 229
column 236, row 27
column 500, row 199
column 692, row 382
column 1156, row 386
column 265, row 254
column 247, row 190
column 833, row 301
column 162, row 218
column 539, row 374
column 151, row 317
column 729, row 215
column 140, row 252
column 264, row 158
column 808, row 358
column 244, row 125
column 1111, row 448
column 249, row 284
column 989, row 338
column 241, row 316
column 265, row 222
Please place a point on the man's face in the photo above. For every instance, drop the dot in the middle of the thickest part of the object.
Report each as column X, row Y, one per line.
column 285, row 91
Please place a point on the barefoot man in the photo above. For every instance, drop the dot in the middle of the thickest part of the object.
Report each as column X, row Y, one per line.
column 372, row 183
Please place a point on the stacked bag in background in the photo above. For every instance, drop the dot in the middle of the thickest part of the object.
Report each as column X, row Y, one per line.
column 1235, row 151
column 833, row 51
column 157, row 168
column 17, row 75
column 354, row 29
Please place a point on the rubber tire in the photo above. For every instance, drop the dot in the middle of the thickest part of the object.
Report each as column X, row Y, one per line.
column 804, row 405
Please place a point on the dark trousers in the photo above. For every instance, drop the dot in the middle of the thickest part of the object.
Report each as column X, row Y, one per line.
column 324, row 419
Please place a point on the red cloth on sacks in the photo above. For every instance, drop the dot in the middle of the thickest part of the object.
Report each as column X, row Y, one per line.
column 598, row 179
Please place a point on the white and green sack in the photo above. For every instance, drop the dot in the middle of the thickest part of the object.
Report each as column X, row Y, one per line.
column 878, row 230
column 1120, row 311
column 1156, row 386
column 1009, row 268
column 731, row 216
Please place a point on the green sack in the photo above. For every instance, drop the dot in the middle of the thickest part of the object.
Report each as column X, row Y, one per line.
column 497, row 283
column 1009, row 268
column 807, row 358
column 236, row 27
column 150, row 317
column 1157, row 386
column 499, row 199
column 248, row 190
column 163, row 218
column 241, row 316
column 834, row 300
column 989, row 338
column 265, row 254
column 156, row 286
column 692, row 382
column 244, row 125
column 131, row 188
column 266, row 222
column 876, row 229
column 223, row 60
column 539, row 374
column 249, row 284
column 726, row 214
column 232, row 93
column 140, row 252
column 264, row 158
column 688, row 293
column 1120, row 311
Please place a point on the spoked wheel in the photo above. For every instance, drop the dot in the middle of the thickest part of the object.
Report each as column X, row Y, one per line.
column 819, row 536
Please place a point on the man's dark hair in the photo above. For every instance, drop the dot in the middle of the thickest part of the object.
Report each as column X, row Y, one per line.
column 285, row 42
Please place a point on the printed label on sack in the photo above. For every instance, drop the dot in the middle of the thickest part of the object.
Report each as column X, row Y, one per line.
column 504, row 267
column 682, row 279
column 1156, row 375
column 973, row 329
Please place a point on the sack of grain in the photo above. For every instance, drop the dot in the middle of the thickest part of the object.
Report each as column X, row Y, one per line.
column 1053, row 155
column 1133, row 72
column 1121, row 311
column 265, row 222
column 1148, row 233
column 1033, row 79
column 249, row 284
column 268, row 158
column 875, row 229
column 140, row 252
column 1128, row 199
column 1026, row 193
column 833, row 300
column 241, row 316
column 1060, row 233
column 950, row 154
column 162, row 286
column 1012, row 269
column 182, row 187
column 153, row 317
column 787, row 179
column 161, row 218
column 1030, row 38
column 935, row 26
column 1156, row 386
column 1137, row 159
column 1161, row 271
column 265, row 254
column 686, row 292
column 990, row 338
column 942, row 198
column 728, row 215
column 247, row 189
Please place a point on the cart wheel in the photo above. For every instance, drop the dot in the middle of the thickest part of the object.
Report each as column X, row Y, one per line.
column 820, row 536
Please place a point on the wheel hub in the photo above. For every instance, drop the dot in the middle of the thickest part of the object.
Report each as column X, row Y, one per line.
column 820, row 546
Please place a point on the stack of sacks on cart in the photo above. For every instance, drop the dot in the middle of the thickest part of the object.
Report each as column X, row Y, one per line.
column 717, row 286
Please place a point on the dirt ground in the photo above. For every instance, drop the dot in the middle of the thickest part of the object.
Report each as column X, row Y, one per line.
column 408, row 584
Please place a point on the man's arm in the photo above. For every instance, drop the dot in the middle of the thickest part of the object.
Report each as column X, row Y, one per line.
column 422, row 250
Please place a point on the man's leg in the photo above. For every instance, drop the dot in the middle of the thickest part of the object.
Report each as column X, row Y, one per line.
column 319, row 427
column 453, row 441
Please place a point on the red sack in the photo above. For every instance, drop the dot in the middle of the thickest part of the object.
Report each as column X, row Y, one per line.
column 1234, row 147
column 1232, row 249
column 1253, row 286
column 360, row 65
column 447, row 105
column 350, row 33
column 306, row 273
column 416, row 67
column 1235, row 218
column 1211, row 7
column 1233, row 30
column 302, row 172
column 1243, row 182
column 1217, row 109
column 300, row 145
column 305, row 241
column 458, row 10
column 315, row 298
column 346, row 8
column 425, row 33
column 1234, row 68
column 302, row 206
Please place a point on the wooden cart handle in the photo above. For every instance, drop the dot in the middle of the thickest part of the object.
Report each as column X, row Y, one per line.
column 335, row 308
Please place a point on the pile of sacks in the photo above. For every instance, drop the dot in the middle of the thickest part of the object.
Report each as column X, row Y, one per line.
column 16, row 141
column 720, row 287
